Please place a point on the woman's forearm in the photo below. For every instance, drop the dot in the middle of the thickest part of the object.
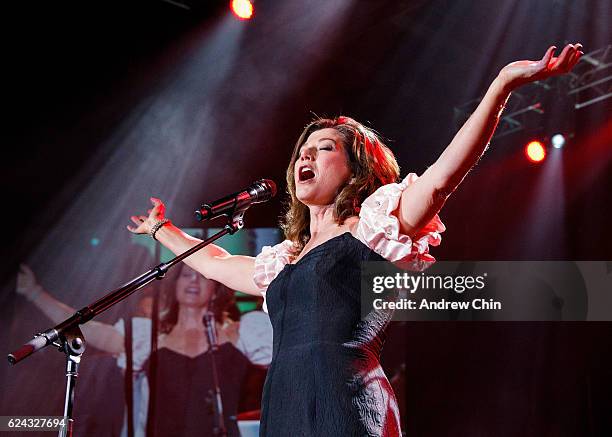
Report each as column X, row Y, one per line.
column 178, row 242
column 98, row 334
column 52, row 308
column 425, row 197
column 214, row 262
column 471, row 141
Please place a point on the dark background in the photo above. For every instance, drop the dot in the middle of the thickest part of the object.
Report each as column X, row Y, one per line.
column 110, row 102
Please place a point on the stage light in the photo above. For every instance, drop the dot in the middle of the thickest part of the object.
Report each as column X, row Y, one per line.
column 535, row 151
column 243, row 9
column 557, row 141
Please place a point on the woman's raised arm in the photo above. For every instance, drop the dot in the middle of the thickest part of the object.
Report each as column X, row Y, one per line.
column 426, row 196
column 100, row 335
column 214, row 262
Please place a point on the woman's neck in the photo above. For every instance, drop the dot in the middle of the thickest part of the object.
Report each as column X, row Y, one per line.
column 190, row 318
column 322, row 220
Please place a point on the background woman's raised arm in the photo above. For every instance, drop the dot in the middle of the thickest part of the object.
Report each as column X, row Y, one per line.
column 101, row 335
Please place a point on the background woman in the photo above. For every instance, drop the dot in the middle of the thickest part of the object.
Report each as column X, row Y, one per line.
column 183, row 362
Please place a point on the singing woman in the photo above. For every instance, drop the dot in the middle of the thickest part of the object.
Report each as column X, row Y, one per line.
column 347, row 205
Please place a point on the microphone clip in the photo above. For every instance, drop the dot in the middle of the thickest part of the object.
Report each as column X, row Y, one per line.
column 235, row 222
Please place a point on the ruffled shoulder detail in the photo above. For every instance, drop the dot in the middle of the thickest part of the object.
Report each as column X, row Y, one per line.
column 379, row 228
column 268, row 265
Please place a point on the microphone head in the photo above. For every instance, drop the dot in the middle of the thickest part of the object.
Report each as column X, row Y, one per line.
column 263, row 190
column 259, row 191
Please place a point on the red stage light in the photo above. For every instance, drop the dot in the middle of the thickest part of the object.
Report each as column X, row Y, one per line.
column 243, row 9
column 535, row 151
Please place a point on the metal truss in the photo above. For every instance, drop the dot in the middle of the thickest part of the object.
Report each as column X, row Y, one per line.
column 519, row 108
column 591, row 79
column 589, row 82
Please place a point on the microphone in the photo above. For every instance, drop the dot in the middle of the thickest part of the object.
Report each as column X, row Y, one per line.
column 259, row 191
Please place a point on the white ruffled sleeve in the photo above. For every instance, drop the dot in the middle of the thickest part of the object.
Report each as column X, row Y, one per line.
column 379, row 228
column 255, row 337
column 141, row 342
column 269, row 263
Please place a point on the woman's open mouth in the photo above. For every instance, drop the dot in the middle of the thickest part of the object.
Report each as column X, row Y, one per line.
column 305, row 173
column 192, row 290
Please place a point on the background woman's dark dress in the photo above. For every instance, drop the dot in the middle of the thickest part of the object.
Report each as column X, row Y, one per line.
column 325, row 378
column 181, row 392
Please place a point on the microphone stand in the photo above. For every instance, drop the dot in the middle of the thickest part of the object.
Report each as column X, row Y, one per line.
column 68, row 338
column 215, row 393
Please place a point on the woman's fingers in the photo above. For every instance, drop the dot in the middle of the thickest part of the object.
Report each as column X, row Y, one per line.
column 26, row 280
column 573, row 59
column 158, row 208
column 561, row 61
column 136, row 229
column 545, row 61
column 580, row 53
column 567, row 59
column 131, row 229
column 156, row 202
column 26, row 275
column 576, row 56
column 139, row 222
column 519, row 73
column 26, row 270
column 578, row 47
column 155, row 213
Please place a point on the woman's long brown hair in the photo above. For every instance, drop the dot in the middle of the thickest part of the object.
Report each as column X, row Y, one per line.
column 169, row 307
column 371, row 162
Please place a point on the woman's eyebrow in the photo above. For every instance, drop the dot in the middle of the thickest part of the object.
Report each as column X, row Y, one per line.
column 330, row 139
column 323, row 139
column 318, row 141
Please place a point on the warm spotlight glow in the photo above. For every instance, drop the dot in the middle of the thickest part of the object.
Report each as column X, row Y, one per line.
column 557, row 141
column 243, row 9
column 535, row 151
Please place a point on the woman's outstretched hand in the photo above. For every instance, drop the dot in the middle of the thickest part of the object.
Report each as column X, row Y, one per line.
column 145, row 223
column 520, row 73
column 27, row 285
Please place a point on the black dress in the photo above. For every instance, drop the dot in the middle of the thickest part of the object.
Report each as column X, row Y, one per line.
column 325, row 378
column 182, row 406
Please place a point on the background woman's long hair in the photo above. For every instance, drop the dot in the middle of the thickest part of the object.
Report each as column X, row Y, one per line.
column 372, row 164
column 223, row 306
